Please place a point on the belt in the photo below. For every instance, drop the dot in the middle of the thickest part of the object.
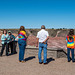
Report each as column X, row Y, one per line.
column 43, row 43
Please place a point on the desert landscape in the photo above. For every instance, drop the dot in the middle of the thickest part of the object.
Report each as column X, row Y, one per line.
column 56, row 39
column 11, row 66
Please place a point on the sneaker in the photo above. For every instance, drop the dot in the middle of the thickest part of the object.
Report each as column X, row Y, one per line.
column 45, row 63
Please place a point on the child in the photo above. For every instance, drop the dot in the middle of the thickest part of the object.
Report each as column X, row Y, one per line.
column 4, row 39
column 70, row 45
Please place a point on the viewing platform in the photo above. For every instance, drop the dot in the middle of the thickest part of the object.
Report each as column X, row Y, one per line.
column 51, row 52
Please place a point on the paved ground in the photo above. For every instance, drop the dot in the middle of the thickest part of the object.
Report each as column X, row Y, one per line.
column 10, row 66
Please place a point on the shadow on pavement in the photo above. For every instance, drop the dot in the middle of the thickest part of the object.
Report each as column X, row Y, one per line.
column 30, row 58
column 50, row 59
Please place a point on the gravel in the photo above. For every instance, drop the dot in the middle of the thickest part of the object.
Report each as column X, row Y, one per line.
column 11, row 66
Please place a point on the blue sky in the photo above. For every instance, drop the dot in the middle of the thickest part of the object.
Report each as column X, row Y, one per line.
column 34, row 13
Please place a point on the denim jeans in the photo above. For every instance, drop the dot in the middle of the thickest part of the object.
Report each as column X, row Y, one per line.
column 22, row 45
column 3, row 47
column 14, row 47
column 68, row 54
column 11, row 46
column 44, row 47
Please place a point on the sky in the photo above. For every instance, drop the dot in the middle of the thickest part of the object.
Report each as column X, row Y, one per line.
column 34, row 13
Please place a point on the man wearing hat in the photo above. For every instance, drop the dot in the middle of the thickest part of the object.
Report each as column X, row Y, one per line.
column 12, row 42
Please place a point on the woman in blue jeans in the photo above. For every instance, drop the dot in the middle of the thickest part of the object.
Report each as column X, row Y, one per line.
column 70, row 40
column 22, row 43
column 4, row 41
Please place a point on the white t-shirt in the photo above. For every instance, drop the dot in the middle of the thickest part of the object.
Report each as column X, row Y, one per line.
column 16, row 39
column 42, row 35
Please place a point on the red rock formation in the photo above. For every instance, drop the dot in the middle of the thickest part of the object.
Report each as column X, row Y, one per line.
column 56, row 42
column 53, row 42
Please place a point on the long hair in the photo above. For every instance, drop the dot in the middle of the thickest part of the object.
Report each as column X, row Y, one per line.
column 4, row 30
column 22, row 28
column 71, row 33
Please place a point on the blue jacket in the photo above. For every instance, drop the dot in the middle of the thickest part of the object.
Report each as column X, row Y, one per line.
column 11, row 38
column 3, row 39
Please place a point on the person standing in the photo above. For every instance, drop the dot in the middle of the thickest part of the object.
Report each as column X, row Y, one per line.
column 4, row 39
column 70, row 40
column 42, row 37
column 22, row 43
column 12, row 43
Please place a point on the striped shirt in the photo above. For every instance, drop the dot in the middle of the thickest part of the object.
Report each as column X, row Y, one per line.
column 21, row 35
column 70, row 43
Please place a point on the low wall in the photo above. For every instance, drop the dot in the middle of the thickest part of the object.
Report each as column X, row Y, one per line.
column 51, row 52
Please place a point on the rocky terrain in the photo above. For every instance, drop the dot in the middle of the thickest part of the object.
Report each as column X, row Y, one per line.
column 11, row 66
column 56, row 39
